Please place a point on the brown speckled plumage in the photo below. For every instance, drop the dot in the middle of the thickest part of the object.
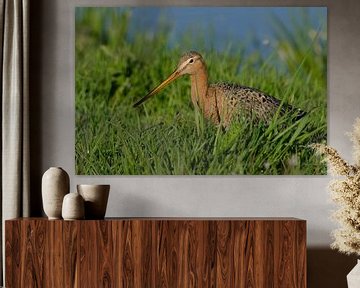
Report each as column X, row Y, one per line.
column 222, row 102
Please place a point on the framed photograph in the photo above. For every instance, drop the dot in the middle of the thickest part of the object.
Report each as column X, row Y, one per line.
column 200, row 90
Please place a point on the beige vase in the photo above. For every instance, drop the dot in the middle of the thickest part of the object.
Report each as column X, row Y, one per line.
column 353, row 278
column 96, row 198
column 73, row 207
column 55, row 185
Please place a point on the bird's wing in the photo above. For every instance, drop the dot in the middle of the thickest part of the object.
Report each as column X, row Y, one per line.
column 254, row 101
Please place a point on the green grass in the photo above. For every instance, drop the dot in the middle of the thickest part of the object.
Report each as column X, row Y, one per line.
column 166, row 135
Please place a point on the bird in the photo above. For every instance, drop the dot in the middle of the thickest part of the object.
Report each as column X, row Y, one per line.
column 222, row 102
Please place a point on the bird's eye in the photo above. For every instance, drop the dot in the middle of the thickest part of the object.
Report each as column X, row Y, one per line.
column 191, row 60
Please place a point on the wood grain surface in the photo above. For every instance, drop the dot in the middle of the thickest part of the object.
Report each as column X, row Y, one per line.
column 159, row 252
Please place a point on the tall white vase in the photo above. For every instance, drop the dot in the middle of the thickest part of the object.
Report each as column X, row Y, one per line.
column 353, row 278
column 55, row 185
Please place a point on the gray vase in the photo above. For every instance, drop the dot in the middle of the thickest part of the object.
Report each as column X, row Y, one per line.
column 73, row 207
column 96, row 198
column 55, row 185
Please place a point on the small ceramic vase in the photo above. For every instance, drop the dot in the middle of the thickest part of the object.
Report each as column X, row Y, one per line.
column 353, row 278
column 73, row 207
column 55, row 185
column 96, row 198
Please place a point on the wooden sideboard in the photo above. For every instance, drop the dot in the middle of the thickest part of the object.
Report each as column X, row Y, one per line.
column 156, row 252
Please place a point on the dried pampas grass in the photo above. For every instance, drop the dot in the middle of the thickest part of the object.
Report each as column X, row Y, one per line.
column 345, row 191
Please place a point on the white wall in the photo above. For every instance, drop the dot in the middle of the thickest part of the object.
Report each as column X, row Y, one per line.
column 305, row 197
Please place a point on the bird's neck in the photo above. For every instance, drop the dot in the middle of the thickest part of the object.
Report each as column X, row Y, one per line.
column 199, row 87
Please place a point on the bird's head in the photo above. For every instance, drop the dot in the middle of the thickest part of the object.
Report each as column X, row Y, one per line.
column 189, row 63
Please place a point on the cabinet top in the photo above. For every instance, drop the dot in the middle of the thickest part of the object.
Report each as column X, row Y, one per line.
column 172, row 219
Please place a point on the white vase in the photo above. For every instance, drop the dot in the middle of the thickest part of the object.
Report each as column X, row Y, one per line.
column 55, row 185
column 353, row 278
column 96, row 198
column 73, row 207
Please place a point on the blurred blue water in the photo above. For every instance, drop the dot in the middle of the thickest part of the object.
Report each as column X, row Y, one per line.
column 228, row 26
column 225, row 26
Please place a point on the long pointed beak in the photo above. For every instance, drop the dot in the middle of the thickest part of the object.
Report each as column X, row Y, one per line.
column 168, row 80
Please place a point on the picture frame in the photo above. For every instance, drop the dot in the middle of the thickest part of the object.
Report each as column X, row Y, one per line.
column 120, row 58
